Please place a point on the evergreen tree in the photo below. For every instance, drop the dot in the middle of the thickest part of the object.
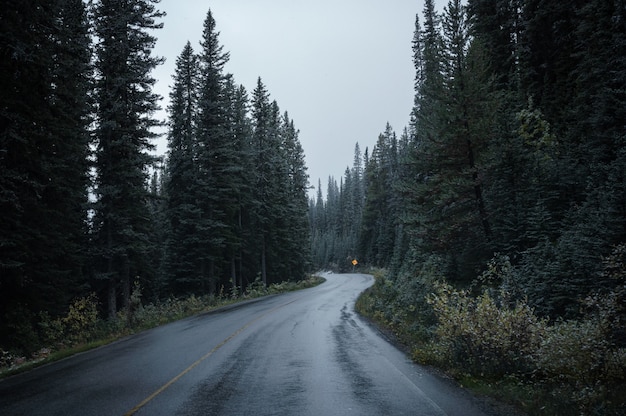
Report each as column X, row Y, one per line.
column 336, row 258
column 279, row 214
column 317, row 213
column 298, row 247
column 181, row 186
column 67, row 163
column 242, row 173
column 126, row 105
column 276, row 198
column 497, row 24
column 216, row 195
column 381, row 206
column 546, row 58
column 449, row 215
column 153, row 284
column 43, row 152
column 263, row 140
column 357, row 188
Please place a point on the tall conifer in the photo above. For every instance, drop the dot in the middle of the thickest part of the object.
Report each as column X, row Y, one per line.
column 181, row 185
column 126, row 105
column 216, row 157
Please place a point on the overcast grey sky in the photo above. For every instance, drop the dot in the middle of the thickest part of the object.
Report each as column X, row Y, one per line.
column 341, row 68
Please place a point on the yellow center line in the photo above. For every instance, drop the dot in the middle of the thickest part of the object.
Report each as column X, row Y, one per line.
column 201, row 359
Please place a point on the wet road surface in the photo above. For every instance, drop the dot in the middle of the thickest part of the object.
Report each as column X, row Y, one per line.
column 301, row 353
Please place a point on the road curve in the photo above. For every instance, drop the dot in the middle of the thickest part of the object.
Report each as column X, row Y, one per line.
column 300, row 353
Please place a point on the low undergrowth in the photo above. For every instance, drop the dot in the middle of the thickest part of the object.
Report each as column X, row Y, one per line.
column 499, row 347
column 82, row 328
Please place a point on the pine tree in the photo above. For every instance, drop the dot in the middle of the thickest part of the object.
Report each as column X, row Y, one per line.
column 126, row 105
column 181, row 185
column 215, row 158
column 276, row 198
column 497, row 24
column 43, row 151
column 427, row 117
column 241, row 174
column 546, row 58
column 298, row 236
column 66, row 192
column 452, row 127
column 317, row 213
column 335, row 258
column 271, row 187
column 153, row 283
column 381, row 206
column 262, row 221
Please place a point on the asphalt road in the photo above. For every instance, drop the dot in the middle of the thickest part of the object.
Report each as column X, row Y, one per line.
column 301, row 353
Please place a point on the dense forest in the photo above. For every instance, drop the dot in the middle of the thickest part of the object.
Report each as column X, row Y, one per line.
column 499, row 212
column 87, row 208
column 515, row 148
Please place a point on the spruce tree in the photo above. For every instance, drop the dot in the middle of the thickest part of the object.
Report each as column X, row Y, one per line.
column 216, row 158
column 242, row 174
column 380, row 212
column 276, row 201
column 126, row 105
column 181, row 185
column 154, row 284
column 497, row 24
column 263, row 160
column 451, row 127
column 43, row 152
column 298, row 236
column 68, row 164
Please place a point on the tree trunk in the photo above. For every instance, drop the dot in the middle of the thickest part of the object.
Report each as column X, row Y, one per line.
column 478, row 190
column 112, row 301
column 125, row 281
column 112, row 292
column 233, row 275
column 263, row 265
column 212, row 283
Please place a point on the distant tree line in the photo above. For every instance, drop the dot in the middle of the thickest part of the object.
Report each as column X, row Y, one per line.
column 86, row 206
column 515, row 153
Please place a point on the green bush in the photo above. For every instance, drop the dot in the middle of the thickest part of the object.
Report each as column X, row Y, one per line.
column 79, row 325
column 81, row 318
column 577, row 362
column 482, row 336
column 581, row 362
column 52, row 330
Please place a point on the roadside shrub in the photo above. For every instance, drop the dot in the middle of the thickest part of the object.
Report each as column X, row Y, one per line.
column 256, row 288
column 81, row 318
column 482, row 335
column 400, row 305
column 52, row 330
column 582, row 363
column 79, row 325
